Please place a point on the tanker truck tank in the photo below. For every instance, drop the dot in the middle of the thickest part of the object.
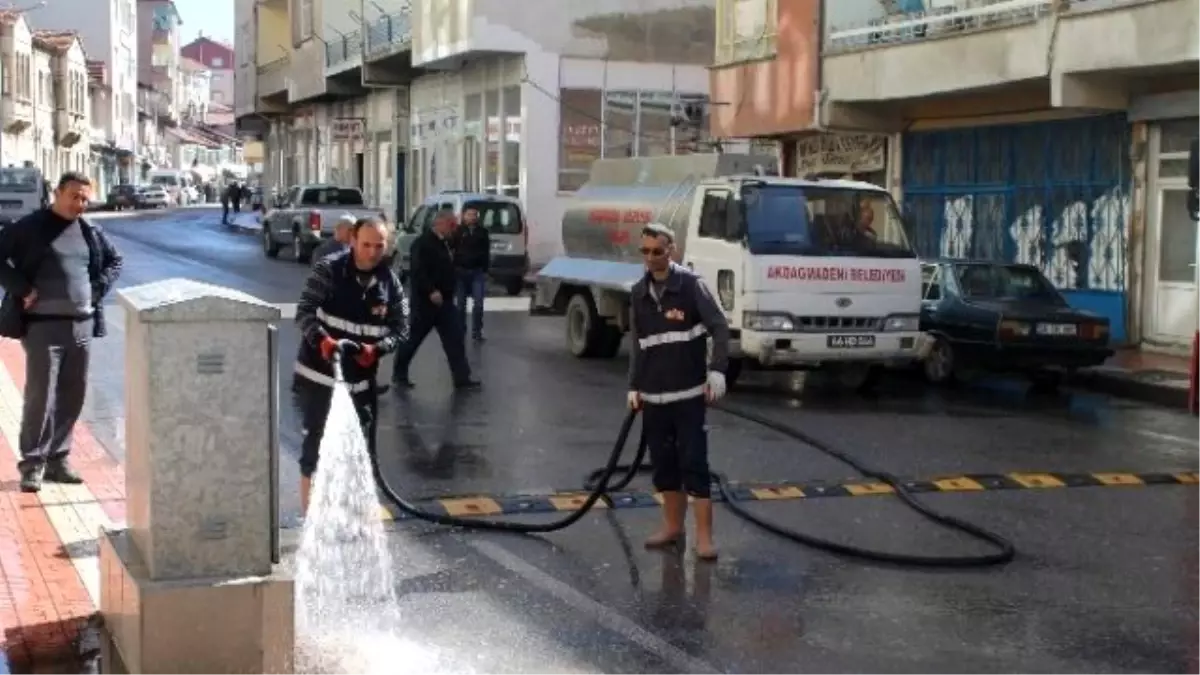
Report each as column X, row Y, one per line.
column 601, row 229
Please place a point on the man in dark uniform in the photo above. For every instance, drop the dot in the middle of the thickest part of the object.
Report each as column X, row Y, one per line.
column 433, row 285
column 672, row 377
column 354, row 303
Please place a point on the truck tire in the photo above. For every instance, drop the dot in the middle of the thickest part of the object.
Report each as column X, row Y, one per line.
column 270, row 246
column 585, row 330
column 301, row 252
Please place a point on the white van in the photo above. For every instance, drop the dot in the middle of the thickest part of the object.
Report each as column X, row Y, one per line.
column 22, row 191
column 505, row 222
column 176, row 183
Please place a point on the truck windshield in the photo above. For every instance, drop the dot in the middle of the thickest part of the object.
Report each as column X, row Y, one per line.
column 331, row 196
column 20, row 180
column 824, row 221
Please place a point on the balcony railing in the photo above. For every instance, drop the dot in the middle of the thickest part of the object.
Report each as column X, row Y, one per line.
column 389, row 33
column 964, row 16
column 272, row 77
column 344, row 50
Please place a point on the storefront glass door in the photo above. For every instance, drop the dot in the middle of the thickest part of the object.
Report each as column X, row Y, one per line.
column 1174, row 311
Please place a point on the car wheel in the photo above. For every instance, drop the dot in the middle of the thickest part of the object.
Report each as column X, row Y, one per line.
column 940, row 364
column 299, row 250
column 270, row 246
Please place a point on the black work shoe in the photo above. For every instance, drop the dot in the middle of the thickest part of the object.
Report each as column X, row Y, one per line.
column 31, row 478
column 478, row 337
column 61, row 472
column 381, row 389
column 468, row 383
column 402, row 383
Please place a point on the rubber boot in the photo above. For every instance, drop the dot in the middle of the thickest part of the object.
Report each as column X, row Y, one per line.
column 702, row 510
column 674, row 510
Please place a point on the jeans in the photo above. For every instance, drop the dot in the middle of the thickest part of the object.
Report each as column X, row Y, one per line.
column 428, row 317
column 471, row 283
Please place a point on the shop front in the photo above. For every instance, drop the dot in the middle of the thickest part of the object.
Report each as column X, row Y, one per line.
column 1169, row 292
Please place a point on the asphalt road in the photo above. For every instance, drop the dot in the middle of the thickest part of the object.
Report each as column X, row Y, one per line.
column 1105, row 579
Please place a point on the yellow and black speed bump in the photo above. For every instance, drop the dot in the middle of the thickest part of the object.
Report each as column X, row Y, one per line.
column 514, row 505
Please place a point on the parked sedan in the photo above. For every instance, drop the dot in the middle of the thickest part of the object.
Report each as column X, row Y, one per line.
column 984, row 316
column 153, row 197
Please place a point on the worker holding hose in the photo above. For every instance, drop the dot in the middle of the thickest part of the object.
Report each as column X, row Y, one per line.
column 354, row 305
column 672, row 377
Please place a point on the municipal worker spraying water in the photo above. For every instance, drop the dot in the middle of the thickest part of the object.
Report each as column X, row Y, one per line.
column 672, row 377
column 354, row 303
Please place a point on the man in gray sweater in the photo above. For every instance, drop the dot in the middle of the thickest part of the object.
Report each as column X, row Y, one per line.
column 55, row 268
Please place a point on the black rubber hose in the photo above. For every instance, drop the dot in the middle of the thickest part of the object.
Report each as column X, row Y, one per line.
column 596, row 493
column 599, row 484
column 1005, row 551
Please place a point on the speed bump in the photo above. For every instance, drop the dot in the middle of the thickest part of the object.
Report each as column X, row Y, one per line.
column 466, row 506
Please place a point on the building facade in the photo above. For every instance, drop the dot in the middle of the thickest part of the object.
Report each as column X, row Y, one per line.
column 220, row 60
column 447, row 94
column 107, row 29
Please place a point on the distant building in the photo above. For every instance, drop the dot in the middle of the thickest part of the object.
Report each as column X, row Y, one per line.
column 218, row 59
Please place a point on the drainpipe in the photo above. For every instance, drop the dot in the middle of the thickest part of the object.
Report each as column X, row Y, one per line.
column 819, row 95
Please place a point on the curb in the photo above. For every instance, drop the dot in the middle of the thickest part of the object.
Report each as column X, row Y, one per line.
column 1126, row 385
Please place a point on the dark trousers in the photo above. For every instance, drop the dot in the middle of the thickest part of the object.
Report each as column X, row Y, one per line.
column 225, row 213
column 56, row 374
column 427, row 317
column 677, row 437
column 312, row 402
column 471, row 284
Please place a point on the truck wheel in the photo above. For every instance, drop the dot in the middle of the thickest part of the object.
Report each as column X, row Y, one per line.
column 514, row 286
column 585, row 329
column 848, row 376
column 270, row 246
column 300, row 251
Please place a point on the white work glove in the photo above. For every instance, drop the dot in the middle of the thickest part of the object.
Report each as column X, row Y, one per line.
column 634, row 399
column 716, row 386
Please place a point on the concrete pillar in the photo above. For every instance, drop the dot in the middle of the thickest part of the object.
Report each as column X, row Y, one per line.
column 189, row 586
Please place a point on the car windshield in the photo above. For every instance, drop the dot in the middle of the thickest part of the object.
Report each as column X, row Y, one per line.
column 169, row 181
column 1005, row 282
column 824, row 221
column 333, row 196
column 498, row 217
column 20, row 180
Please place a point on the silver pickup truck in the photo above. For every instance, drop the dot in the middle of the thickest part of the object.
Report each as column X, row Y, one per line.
column 307, row 214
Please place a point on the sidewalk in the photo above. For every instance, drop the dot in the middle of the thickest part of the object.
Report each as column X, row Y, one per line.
column 1144, row 376
column 49, row 564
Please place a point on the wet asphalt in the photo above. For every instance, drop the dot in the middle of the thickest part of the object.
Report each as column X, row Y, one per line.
column 1105, row 579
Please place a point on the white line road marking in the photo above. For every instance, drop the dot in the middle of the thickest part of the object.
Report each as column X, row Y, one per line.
column 73, row 511
column 601, row 614
column 1165, row 437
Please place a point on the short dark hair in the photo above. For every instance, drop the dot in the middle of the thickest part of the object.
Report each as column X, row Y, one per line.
column 659, row 230
column 73, row 177
column 363, row 222
column 445, row 213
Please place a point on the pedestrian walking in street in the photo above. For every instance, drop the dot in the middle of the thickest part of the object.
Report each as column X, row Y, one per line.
column 433, row 286
column 672, row 378
column 354, row 303
column 56, row 269
column 343, row 233
column 472, row 252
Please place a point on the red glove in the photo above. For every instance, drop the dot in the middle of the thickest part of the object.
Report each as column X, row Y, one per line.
column 366, row 355
column 328, row 347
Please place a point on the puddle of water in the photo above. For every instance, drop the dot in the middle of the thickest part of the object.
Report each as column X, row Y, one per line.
column 346, row 607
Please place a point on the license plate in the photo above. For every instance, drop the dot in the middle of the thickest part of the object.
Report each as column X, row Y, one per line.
column 1069, row 329
column 850, row 341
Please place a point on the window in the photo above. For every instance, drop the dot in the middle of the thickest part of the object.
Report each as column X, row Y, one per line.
column 302, row 20
column 333, row 196
column 510, row 178
column 473, row 142
column 801, row 220
column 931, row 283
column 497, row 217
column 620, row 124
column 654, row 123
column 580, row 113
column 714, row 214
column 6, row 71
column 746, row 29
column 492, row 129
column 218, row 62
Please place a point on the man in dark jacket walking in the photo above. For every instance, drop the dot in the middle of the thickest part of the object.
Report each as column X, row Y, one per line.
column 55, row 268
column 472, row 252
column 433, row 286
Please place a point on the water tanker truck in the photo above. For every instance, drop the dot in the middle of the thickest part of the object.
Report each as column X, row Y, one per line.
column 810, row 273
